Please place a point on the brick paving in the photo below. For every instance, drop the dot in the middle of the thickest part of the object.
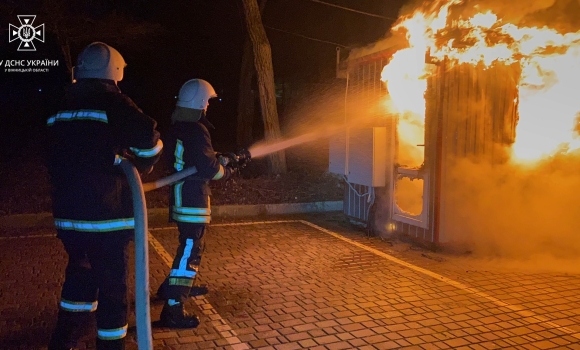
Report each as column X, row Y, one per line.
column 293, row 286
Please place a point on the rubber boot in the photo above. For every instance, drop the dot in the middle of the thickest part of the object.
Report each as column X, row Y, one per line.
column 70, row 327
column 198, row 290
column 174, row 316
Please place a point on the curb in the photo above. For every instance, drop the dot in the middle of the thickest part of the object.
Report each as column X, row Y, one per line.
column 23, row 221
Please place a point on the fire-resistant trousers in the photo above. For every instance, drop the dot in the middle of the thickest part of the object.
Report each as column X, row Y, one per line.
column 187, row 260
column 95, row 284
column 191, row 211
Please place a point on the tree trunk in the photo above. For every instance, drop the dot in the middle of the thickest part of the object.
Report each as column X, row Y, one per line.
column 55, row 12
column 65, row 48
column 246, row 98
column 265, row 73
column 246, row 101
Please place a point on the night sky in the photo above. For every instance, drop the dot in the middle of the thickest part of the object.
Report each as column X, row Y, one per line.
column 202, row 39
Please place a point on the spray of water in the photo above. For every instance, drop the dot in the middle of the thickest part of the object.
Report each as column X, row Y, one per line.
column 316, row 111
column 267, row 147
column 264, row 148
column 321, row 114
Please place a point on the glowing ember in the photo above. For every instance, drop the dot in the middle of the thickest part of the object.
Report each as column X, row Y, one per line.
column 549, row 87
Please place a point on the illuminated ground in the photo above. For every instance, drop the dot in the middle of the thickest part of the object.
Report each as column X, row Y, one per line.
column 314, row 282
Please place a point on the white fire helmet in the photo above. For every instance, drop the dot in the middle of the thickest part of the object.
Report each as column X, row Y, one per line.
column 195, row 94
column 100, row 61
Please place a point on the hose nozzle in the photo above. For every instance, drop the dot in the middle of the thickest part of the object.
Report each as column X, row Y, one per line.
column 243, row 157
column 235, row 160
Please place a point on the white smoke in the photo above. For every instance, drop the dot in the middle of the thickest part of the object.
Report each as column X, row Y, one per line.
column 516, row 211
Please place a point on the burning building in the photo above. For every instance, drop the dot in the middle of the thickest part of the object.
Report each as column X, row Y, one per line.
column 470, row 113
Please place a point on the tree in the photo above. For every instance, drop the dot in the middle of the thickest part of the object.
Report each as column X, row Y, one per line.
column 246, row 101
column 265, row 77
column 76, row 24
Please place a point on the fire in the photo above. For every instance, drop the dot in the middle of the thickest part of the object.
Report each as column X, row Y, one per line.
column 549, row 86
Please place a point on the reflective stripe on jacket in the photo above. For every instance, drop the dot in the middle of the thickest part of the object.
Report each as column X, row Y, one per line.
column 192, row 147
column 97, row 124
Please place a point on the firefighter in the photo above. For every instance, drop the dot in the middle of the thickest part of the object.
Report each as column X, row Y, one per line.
column 91, row 198
column 190, row 203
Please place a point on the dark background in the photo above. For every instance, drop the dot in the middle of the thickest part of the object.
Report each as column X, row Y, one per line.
column 202, row 39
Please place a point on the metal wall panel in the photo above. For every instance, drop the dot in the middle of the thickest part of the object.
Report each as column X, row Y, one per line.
column 365, row 92
column 367, row 157
column 475, row 108
column 356, row 201
column 337, row 154
column 471, row 112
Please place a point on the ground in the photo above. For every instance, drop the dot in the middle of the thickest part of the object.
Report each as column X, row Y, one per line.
column 25, row 189
column 309, row 281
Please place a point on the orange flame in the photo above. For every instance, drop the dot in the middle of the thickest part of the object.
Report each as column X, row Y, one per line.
column 549, row 86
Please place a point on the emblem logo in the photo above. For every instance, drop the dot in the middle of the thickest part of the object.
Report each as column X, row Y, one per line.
column 27, row 33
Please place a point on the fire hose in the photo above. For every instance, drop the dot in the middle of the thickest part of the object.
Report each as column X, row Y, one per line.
column 138, row 189
column 235, row 160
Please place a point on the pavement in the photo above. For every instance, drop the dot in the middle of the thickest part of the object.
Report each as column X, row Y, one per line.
column 311, row 280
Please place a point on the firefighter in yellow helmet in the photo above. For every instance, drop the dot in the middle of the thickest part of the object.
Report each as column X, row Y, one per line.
column 91, row 198
column 190, row 142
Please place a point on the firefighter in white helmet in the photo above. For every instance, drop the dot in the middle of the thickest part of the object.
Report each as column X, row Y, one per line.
column 190, row 205
column 195, row 94
column 91, row 198
column 100, row 61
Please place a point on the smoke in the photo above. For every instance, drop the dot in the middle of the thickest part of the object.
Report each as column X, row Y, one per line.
column 313, row 105
column 525, row 213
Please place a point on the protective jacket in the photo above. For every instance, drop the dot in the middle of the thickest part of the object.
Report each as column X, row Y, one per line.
column 193, row 147
column 97, row 125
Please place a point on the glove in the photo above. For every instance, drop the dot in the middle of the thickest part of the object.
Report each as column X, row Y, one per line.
column 226, row 158
column 229, row 171
column 223, row 160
